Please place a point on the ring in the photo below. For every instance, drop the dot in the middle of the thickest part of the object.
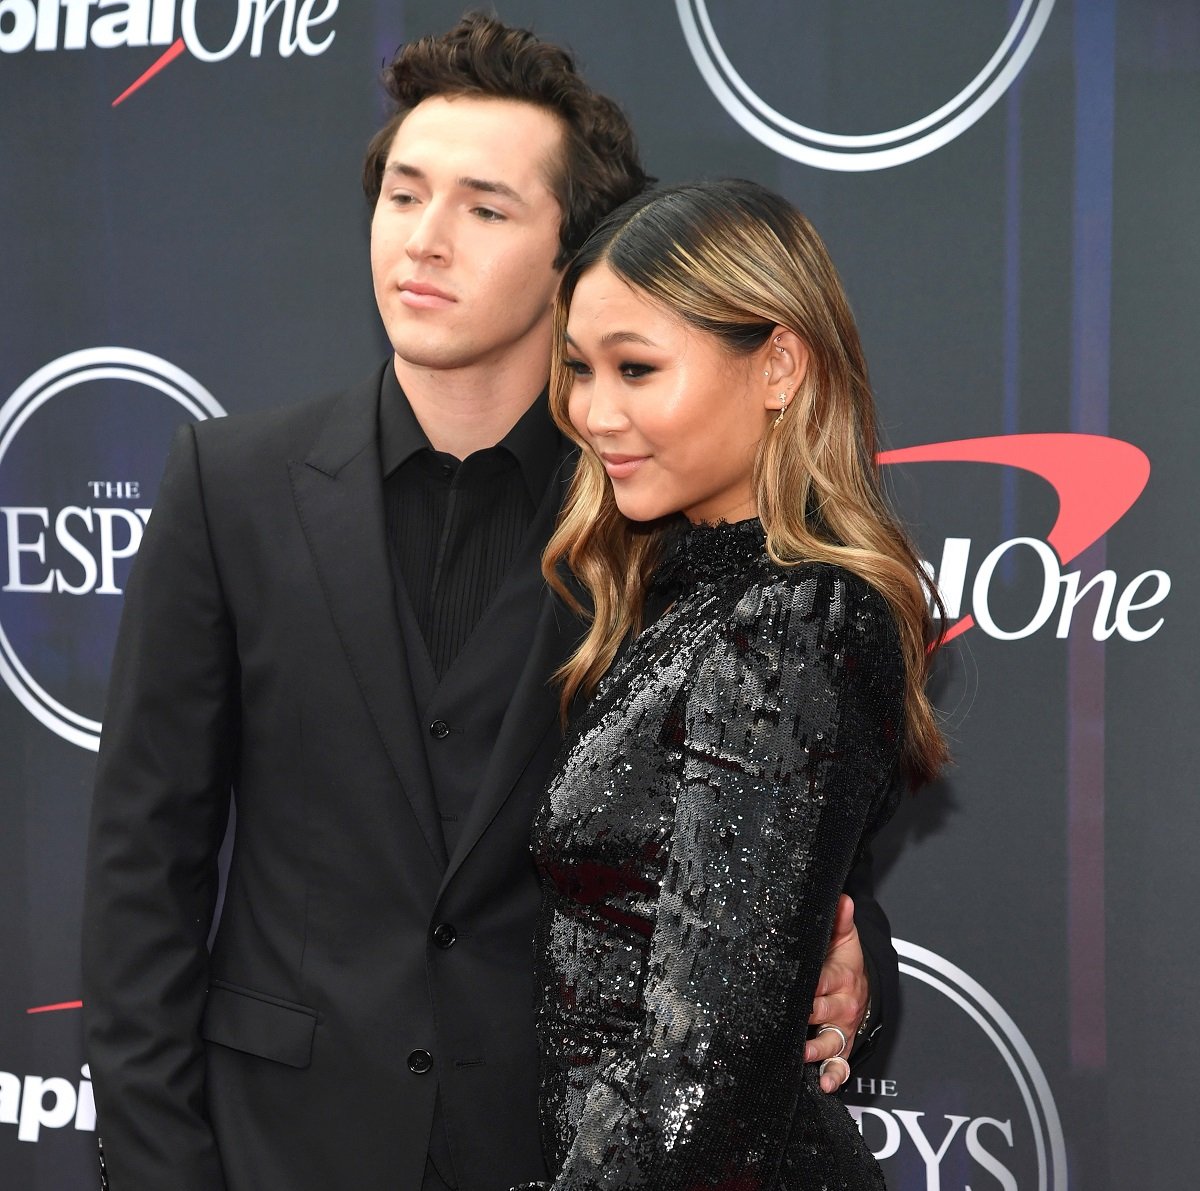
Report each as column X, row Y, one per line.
column 840, row 1033
column 835, row 1059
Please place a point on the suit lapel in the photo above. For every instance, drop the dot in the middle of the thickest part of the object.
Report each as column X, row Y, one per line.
column 533, row 708
column 338, row 491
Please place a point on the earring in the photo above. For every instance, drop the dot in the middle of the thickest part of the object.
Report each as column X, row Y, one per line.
column 783, row 400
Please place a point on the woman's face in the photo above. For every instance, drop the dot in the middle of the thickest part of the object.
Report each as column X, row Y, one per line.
column 674, row 417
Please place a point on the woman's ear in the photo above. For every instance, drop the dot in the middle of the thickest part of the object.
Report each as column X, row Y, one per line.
column 784, row 363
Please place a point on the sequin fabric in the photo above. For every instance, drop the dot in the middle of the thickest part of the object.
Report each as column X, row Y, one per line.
column 693, row 841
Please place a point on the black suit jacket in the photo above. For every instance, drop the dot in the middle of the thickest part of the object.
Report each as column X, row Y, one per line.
column 260, row 653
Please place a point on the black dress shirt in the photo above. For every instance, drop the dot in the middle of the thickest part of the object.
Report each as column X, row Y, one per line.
column 456, row 525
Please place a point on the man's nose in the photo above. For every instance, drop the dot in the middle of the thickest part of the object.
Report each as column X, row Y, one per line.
column 429, row 236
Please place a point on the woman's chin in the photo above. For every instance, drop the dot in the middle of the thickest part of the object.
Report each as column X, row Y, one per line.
column 641, row 511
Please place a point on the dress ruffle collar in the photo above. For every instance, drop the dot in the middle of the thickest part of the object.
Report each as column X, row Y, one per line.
column 703, row 553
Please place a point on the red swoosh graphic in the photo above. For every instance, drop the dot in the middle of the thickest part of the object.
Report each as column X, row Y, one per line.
column 1096, row 479
column 169, row 56
column 55, row 1008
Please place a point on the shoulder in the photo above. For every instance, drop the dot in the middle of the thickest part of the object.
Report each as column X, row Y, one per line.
column 280, row 433
column 787, row 601
column 803, row 653
column 240, row 467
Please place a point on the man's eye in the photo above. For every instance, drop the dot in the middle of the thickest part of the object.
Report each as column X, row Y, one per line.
column 578, row 367
column 488, row 215
column 636, row 371
column 402, row 200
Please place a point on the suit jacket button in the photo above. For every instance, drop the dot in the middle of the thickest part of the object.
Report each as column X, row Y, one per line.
column 420, row 1061
column 444, row 935
column 439, row 729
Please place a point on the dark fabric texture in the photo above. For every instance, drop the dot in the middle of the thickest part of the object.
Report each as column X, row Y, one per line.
column 456, row 526
column 701, row 822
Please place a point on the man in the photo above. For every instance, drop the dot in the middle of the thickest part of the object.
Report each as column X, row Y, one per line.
column 338, row 614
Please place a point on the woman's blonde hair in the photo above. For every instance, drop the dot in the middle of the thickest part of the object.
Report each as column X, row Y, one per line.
column 736, row 261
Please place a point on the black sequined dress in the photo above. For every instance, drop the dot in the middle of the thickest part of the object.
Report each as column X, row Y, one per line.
column 693, row 841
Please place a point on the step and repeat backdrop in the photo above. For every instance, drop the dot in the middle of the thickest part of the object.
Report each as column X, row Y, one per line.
column 1009, row 189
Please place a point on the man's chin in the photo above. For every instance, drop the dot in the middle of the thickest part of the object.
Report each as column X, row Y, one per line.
column 430, row 356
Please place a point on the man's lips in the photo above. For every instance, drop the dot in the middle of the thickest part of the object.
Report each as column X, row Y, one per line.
column 424, row 297
column 621, row 466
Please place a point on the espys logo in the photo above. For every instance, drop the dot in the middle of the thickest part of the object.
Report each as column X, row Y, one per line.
column 977, row 1110
column 1097, row 480
column 81, row 447
column 112, row 24
column 869, row 151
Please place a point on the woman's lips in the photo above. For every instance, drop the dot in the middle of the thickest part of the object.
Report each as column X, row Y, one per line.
column 619, row 467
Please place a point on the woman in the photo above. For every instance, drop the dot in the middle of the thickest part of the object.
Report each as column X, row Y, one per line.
column 754, row 677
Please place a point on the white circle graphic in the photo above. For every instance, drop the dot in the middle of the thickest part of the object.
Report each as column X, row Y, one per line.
column 869, row 151
column 93, row 363
column 988, row 1014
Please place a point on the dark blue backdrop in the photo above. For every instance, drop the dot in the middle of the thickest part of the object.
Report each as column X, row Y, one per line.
column 1025, row 263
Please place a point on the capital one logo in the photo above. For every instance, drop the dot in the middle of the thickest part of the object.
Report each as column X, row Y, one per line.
column 973, row 1110
column 209, row 32
column 33, row 1103
column 855, row 152
column 82, row 443
column 1097, row 480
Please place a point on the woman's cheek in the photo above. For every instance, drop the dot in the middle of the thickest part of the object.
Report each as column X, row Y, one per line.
column 577, row 411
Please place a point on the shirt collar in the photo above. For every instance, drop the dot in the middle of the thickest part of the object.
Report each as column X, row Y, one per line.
column 533, row 442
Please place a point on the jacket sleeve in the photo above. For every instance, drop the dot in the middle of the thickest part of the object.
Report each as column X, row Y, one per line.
column 160, row 809
column 788, row 738
column 882, row 963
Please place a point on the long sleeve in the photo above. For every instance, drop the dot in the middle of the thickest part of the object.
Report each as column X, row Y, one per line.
column 159, row 811
column 787, row 735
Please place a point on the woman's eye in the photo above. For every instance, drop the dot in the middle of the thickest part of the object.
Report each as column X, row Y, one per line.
column 488, row 215
column 578, row 367
column 636, row 371
column 402, row 200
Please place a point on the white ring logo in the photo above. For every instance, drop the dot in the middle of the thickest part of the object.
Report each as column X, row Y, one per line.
column 983, row 1009
column 77, row 368
column 869, row 151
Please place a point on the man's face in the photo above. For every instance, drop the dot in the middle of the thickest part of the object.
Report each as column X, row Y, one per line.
column 465, row 233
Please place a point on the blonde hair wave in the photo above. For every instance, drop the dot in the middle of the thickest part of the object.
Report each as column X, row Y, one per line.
column 736, row 261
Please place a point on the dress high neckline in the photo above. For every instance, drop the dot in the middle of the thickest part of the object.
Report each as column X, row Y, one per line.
column 700, row 553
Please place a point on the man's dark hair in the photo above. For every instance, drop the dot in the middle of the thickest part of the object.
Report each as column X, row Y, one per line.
column 598, row 168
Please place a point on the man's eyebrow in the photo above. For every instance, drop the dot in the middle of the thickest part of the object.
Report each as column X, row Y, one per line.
column 500, row 188
column 483, row 185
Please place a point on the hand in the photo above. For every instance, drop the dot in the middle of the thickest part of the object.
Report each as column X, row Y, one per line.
column 842, row 996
